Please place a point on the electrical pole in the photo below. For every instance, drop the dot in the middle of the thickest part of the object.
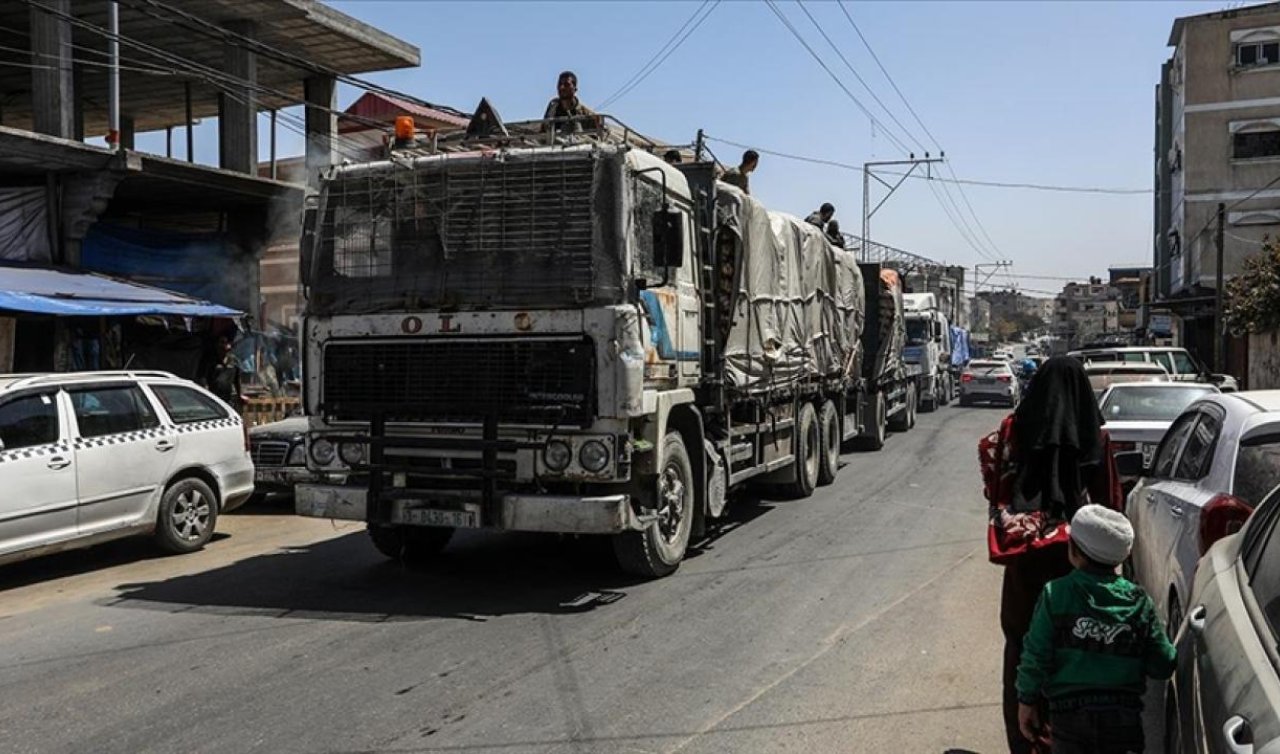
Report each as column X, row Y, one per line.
column 1219, row 329
column 995, row 267
column 868, row 172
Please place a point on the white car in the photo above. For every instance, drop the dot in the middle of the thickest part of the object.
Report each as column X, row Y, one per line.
column 1139, row 413
column 1002, row 355
column 1218, row 460
column 88, row 457
column 1178, row 362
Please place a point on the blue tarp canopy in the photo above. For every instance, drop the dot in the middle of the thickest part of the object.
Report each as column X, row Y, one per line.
column 42, row 290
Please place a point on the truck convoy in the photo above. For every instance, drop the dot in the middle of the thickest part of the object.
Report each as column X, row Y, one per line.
column 929, row 349
column 541, row 331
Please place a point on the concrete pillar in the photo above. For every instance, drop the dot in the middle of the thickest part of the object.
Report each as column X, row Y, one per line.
column 52, row 77
column 127, row 131
column 238, row 109
column 320, row 93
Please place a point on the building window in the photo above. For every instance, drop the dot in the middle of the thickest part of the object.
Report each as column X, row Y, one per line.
column 1253, row 54
column 1255, row 139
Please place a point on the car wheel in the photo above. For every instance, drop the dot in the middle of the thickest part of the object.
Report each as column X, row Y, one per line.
column 188, row 513
column 659, row 548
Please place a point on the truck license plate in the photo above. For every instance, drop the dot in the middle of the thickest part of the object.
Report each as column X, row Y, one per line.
column 463, row 519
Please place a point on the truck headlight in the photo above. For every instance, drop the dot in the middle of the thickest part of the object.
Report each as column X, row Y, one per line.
column 557, row 455
column 322, row 451
column 351, row 453
column 594, row 456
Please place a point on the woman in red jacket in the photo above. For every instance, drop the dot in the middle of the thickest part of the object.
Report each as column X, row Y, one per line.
column 1051, row 457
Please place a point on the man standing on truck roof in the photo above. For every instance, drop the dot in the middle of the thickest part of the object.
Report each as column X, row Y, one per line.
column 822, row 216
column 566, row 104
column 741, row 175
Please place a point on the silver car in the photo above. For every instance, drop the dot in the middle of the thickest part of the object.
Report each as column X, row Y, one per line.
column 1138, row 413
column 1225, row 696
column 989, row 380
column 1218, row 460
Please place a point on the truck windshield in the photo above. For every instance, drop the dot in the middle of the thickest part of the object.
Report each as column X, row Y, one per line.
column 469, row 232
column 917, row 332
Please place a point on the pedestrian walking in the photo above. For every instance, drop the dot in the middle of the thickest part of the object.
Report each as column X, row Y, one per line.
column 223, row 379
column 741, row 175
column 1094, row 641
column 1048, row 459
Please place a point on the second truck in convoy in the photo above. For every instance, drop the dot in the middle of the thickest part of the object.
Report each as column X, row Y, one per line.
column 560, row 332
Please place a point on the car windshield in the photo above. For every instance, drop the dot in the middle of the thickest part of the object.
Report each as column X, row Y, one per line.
column 1140, row 403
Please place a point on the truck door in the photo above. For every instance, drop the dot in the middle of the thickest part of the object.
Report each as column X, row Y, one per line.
column 689, row 337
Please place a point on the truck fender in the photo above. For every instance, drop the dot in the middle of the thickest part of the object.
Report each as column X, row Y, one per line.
column 674, row 411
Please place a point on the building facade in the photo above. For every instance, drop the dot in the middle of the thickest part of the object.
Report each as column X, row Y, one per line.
column 1088, row 313
column 1217, row 142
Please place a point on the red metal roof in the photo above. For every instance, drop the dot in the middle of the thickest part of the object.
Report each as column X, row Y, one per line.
column 380, row 107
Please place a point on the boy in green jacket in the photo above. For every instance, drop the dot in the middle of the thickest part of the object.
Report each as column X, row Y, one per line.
column 1094, row 640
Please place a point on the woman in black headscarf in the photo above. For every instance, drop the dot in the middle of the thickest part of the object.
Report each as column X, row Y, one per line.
column 1063, row 461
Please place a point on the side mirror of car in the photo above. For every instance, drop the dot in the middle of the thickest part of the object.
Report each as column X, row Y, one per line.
column 668, row 239
column 1129, row 463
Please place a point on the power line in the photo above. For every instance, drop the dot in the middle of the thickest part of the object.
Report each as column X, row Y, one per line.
column 799, row 38
column 886, row 72
column 856, row 75
column 662, row 54
column 967, row 182
column 982, row 228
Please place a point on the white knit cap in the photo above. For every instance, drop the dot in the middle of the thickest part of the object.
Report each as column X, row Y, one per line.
column 1103, row 534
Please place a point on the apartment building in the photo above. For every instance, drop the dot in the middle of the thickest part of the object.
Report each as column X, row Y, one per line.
column 1217, row 141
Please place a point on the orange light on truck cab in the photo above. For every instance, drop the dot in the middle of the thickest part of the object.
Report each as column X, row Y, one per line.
column 404, row 128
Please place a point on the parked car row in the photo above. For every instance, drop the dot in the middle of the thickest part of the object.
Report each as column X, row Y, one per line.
column 1204, row 556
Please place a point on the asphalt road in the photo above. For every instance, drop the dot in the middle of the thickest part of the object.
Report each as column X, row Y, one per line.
column 863, row 619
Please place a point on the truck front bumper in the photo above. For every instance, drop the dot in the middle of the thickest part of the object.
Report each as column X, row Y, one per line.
column 565, row 514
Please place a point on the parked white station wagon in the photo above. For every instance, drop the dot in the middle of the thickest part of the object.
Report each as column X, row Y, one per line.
column 92, row 456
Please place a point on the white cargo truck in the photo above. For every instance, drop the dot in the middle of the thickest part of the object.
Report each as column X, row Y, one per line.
column 560, row 332
column 929, row 349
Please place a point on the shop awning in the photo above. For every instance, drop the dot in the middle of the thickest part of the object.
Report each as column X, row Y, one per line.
column 43, row 290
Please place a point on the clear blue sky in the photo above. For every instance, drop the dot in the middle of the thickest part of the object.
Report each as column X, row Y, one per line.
column 1058, row 93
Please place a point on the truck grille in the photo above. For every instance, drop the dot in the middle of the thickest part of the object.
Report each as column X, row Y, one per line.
column 268, row 453
column 544, row 382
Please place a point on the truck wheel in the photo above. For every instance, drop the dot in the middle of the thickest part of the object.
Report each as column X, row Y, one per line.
column 188, row 513
column 808, row 450
column 829, row 426
column 658, row 550
column 411, row 545
column 906, row 418
column 873, row 434
column 926, row 405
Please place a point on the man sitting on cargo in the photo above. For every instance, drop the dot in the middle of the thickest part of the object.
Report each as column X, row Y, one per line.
column 740, row 176
column 567, row 112
column 834, row 236
column 822, row 216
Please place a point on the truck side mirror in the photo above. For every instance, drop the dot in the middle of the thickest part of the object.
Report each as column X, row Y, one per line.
column 307, row 245
column 668, row 239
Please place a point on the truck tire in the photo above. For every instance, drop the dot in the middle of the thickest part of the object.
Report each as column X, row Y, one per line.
column 873, row 434
column 906, row 418
column 808, row 450
column 927, row 405
column 829, row 428
column 411, row 545
column 658, row 549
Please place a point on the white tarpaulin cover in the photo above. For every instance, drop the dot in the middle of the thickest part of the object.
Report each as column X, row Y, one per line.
column 798, row 312
column 24, row 229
